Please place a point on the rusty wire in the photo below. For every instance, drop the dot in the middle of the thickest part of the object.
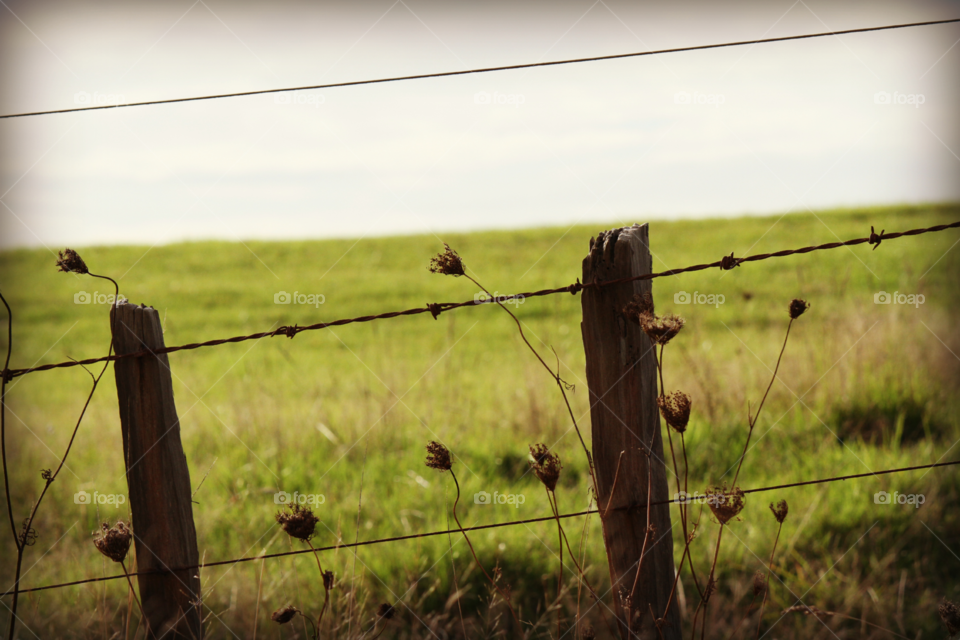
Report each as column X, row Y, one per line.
column 435, row 309
column 430, row 534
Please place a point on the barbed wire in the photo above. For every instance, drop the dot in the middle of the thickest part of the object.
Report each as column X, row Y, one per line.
column 726, row 263
column 512, row 523
column 446, row 74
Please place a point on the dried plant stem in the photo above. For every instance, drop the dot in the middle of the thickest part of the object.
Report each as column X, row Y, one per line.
column 616, row 476
column 753, row 420
column 552, row 499
column 477, row 560
column 555, row 376
column 22, row 544
column 706, row 601
column 456, row 584
column 256, row 614
column 326, row 590
column 139, row 606
column 770, row 566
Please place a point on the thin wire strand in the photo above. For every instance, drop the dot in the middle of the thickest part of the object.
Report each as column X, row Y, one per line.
column 445, row 74
column 430, row 534
column 728, row 262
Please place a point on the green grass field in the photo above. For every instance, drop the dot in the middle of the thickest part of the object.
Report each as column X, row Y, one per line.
column 346, row 410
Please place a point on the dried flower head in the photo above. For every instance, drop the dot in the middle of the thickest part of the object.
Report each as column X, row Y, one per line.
column 46, row 474
column 28, row 534
column 113, row 542
column 299, row 522
column 797, row 307
column 725, row 504
column 438, row 456
column 780, row 511
column 284, row 614
column 71, row 262
column 808, row 611
column 759, row 583
column 588, row 632
column 546, row 465
column 675, row 409
column 386, row 611
column 328, row 580
column 638, row 306
column 447, row 263
column 661, row 329
column 950, row 614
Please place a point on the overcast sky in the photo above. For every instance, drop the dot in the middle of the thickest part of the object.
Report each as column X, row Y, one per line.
column 752, row 129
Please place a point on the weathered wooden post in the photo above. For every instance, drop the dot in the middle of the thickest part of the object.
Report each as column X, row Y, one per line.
column 158, row 479
column 622, row 377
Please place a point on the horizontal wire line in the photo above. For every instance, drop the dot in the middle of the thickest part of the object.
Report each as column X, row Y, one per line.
column 728, row 262
column 446, row 74
column 476, row 528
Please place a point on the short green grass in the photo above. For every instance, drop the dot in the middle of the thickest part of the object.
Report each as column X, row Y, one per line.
column 346, row 413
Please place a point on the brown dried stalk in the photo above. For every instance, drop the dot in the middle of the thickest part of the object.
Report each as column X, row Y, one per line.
column 780, row 513
column 71, row 262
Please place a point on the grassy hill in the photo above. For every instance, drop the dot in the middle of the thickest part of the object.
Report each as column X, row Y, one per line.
column 347, row 411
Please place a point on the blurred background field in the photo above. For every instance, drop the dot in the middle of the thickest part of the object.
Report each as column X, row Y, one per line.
column 348, row 410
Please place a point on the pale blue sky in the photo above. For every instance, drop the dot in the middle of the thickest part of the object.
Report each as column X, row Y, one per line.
column 780, row 127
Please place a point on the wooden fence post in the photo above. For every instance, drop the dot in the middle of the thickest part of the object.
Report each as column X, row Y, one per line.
column 158, row 479
column 622, row 377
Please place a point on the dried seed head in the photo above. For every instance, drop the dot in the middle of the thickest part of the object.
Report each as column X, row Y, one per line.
column 113, row 542
column 808, row 611
column 588, row 633
column 447, row 263
column 328, row 580
column 299, row 522
column 950, row 614
column 675, row 409
column 546, row 465
column 725, row 504
column 46, row 474
column 71, row 262
column 385, row 611
column 284, row 614
column 638, row 306
column 438, row 456
column 759, row 583
column 780, row 511
column 28, row 535
column 661, row 329
column 797, row 307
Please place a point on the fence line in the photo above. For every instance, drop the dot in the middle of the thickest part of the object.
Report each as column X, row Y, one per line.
column 474, row 528
column 726, row 263
column 445, row 74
